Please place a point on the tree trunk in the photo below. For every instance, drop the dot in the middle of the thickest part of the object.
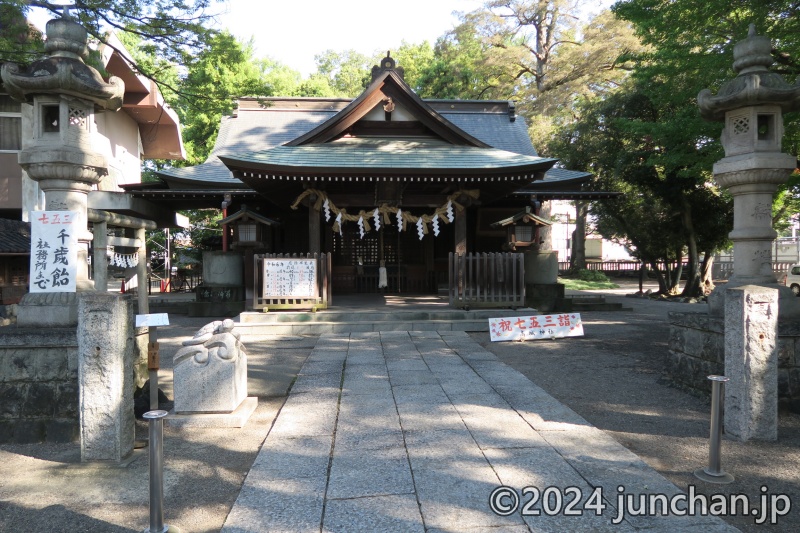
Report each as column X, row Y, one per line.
column 545, row 232
column 578, row 256
column 692, row 287
column 706, row 273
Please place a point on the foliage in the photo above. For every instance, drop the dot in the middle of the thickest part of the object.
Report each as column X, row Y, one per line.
column 174, row 30
column 582, row 285
column 224, row 70
column 585, row 274
column 19, row 41
column 348, row 73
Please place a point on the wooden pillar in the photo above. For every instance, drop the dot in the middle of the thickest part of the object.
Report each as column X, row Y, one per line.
column 249, row 277
column 100, row 259
column 141, row 272
column 461, row 231
column 313, row 226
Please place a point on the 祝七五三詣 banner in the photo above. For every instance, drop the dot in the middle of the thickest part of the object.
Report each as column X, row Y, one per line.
column 553, row 326
column 54, row 251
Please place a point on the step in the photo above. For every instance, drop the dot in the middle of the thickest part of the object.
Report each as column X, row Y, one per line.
column 340, row 316
column 318, row 328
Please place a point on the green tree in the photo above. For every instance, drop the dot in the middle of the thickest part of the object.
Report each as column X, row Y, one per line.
column 348, row 72
column 176, row 30
column 224, row 71
column 661, row 161
column 691, row 49
column 19, row 41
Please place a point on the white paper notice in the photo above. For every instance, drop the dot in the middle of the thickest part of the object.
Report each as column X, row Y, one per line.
column 536, row 327
column 54, row 251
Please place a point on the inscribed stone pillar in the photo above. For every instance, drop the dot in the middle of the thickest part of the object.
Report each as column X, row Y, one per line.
column 105, row 375
column 751, row 363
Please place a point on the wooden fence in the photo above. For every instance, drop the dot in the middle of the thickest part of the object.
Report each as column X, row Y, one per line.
column 317, row 298
column 486, row 280
column 720, row 270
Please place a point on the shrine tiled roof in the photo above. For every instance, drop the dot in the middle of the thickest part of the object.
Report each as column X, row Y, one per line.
column 386, row 155
column 278, row 121
column 15, row 236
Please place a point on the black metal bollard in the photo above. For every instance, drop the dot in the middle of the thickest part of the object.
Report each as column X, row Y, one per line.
column 713, row 473
column 156, row 431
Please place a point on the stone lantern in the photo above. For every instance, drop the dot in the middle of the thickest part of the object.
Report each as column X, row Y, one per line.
column 65, row 93
column 751, row 107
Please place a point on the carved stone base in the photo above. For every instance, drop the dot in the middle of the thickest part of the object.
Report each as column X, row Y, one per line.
column 788, row 303
column 48, row 309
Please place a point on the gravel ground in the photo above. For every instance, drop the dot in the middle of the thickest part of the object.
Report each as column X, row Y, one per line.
column 44, row 487
column 613, row 378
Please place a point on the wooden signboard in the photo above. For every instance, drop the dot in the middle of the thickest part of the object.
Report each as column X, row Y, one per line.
column 290, row 278
column 292, row 282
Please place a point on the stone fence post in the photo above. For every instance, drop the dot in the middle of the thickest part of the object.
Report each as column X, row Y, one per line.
column 105, row 376
column 751, row 363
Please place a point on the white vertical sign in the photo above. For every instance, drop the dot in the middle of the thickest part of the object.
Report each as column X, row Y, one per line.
column 54, row 251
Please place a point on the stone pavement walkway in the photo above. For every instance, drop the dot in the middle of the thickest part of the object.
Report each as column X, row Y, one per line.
column 414, row 431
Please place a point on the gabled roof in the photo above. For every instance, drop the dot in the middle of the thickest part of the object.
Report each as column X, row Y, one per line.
column 247, row 214
column 388, row 88
column 524, row 217
column 159, row 125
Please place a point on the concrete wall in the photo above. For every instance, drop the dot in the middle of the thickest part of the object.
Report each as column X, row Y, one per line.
column 697, row 350
column 38, row 385
column 10, row 181
column 120, row 133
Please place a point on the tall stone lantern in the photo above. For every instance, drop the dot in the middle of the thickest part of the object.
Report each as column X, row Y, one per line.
column 65, row 93
column 751, row 107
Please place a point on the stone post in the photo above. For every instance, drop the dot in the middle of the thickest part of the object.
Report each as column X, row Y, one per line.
column 105, row 376
column 751, row 363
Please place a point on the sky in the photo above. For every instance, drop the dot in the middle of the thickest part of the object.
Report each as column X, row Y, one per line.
column 294, row 31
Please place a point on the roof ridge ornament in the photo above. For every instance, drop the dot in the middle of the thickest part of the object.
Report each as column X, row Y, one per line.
column 387, row 64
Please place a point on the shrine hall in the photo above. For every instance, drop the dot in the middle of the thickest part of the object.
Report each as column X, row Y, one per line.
column 387, row 179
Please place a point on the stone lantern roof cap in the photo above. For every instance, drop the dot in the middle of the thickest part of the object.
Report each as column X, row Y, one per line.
column 64, row 71
column 754, row 85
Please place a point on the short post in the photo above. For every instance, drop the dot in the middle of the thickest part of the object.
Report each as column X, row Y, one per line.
column 713, row 473
column 153, row 363
column 152, row 321
column 156, row 421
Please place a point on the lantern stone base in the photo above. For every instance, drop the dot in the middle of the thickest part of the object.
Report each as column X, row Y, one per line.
column 48, row 309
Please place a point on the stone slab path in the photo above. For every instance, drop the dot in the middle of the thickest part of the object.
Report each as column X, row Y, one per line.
column 416, row 432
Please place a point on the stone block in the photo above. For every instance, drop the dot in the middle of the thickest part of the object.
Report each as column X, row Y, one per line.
column 105, row 376
column 40, row 400
column 751, row 363
column 68, row 398
column 29, row 431
column 210, row 371
column 60, row 430
column 13, row 395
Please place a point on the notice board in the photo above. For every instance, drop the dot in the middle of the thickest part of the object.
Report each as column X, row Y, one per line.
column 290, row 278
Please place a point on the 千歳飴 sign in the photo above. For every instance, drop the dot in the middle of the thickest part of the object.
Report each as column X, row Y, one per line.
column 54, row 251
column 553, row 326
